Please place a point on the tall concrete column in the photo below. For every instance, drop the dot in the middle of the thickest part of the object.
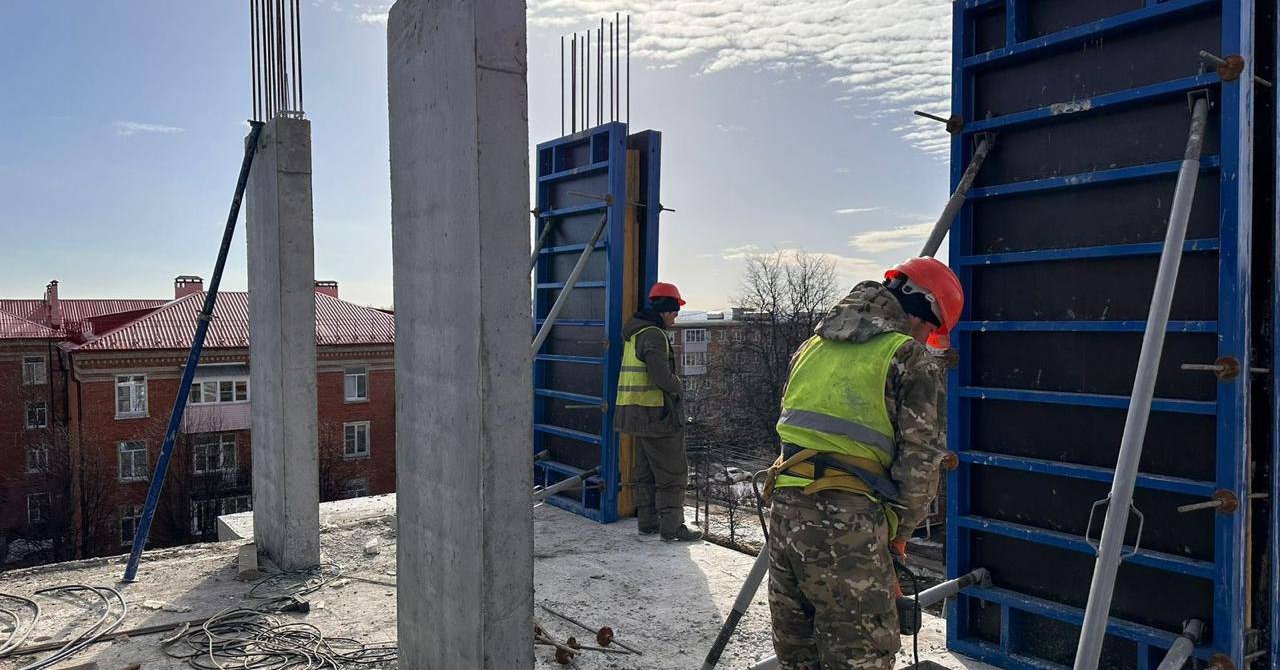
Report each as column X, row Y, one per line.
column 459, row 226
column 282, row 346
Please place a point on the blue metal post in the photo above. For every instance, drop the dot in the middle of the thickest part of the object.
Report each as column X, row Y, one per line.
column 193, row 359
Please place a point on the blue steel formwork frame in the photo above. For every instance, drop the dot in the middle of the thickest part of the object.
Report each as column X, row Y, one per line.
column 1233, row 167
column 585, row 174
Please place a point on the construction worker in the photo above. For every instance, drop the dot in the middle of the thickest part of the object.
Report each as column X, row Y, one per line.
column 861, row 450
column 649, row 409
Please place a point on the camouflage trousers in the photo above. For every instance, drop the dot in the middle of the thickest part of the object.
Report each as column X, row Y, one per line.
column 831, row 582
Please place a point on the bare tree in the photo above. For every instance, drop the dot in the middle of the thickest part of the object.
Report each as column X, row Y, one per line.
column 782, row 297
column 336, row 472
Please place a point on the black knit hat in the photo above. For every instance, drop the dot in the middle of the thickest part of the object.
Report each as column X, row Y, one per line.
column 915, row 304
column 665, row 305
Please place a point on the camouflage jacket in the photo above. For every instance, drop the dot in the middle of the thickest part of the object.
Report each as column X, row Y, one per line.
column 914, row 394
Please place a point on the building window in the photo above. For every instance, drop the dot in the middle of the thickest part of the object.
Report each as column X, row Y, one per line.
column 695, row 359
column 356, row 384
column 38, row 507
column 237, row 504
column 130, row 517
column 131, row 396
column 203, row 513
column 355, row 442
column 37, row 415
column 737, row 335
column 355, row 488
column 695, row 335
column 218, row 391
column 671, row 336
column 133, row 461
column 214, row 453
column 33, row 370
column 37, row 458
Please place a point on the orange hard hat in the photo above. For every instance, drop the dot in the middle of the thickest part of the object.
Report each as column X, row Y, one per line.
column 665, row 290
column 941, row 285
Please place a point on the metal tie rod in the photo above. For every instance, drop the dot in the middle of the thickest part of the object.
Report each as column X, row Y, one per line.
column 544, row 493
column 1182, row 648
column 193, row 359
column 956, row 201
column 748, row 592
column 561, row 299
column 1094, row 627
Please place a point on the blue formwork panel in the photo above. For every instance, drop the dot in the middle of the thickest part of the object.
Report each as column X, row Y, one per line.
column 1057, row 248
column 582, row 180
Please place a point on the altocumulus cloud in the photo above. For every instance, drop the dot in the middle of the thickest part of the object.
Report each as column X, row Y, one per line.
column 127, row 128
column 890, row 56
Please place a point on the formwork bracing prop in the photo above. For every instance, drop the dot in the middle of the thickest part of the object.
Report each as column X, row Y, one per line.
column 1120, row 501
column 931, row 246
column 193, row 359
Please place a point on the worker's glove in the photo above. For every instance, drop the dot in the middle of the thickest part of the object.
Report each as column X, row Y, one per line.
column 899, row 547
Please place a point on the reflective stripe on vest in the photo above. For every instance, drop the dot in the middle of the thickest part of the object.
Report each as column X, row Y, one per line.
column 835, row 400
column 634, row 385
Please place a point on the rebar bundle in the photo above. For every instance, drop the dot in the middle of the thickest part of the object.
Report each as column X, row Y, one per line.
column 275, row 56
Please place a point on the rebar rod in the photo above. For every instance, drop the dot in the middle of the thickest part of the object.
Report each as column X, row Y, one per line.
column 1094, row 627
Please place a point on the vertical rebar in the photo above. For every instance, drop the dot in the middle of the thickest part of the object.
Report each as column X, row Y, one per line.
column 586, row 97
column 572, row 58
column 297, row 57
column 628, row 68
column 283, row 81
column 562, row 85
column 612, row 82
column 600, row 73
column 1094, row 627
column 253, row 58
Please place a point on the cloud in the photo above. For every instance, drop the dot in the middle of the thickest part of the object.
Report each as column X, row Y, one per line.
column 368, row 17
column 879, row 241
column 857, row 210
column 127, row 128
column 886, row 57
column 740, row 252
column 842, row 170
column 731, row 128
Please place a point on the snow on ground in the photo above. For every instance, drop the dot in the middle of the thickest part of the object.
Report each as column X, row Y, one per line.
column 666, row 600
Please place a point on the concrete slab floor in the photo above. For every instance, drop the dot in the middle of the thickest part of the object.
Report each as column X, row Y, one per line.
column 667, row 600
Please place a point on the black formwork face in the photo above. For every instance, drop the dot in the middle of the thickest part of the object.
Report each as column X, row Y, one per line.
column 1058, row 248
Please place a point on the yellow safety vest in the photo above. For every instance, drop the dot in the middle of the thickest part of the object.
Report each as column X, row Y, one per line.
column 834, row 405
column 634, row 385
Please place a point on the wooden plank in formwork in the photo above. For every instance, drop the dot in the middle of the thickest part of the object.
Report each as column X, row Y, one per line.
column 631, row 279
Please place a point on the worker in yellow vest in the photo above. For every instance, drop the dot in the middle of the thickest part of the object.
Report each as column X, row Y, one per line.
column 861, row 449
column 649, row 409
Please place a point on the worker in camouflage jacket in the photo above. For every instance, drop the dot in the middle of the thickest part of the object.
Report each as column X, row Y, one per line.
column 862, row 444
column 649, row 410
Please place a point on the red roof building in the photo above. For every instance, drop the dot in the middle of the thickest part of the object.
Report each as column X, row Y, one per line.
column 86, row 390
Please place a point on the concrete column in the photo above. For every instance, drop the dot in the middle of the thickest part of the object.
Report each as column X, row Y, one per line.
column 282, row 346
column 460, row 239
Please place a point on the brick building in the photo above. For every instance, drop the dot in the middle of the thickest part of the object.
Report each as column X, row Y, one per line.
column 86, row 390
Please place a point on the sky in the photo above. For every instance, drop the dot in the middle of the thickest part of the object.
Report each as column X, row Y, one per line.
column 786, row 126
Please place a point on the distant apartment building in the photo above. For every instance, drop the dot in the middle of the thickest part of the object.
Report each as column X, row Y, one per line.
column 86, row 391
column 703, row 343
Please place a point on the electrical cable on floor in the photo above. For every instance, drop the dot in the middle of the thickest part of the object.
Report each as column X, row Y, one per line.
column 915, row 586
column 19, row 635
column 99, row 629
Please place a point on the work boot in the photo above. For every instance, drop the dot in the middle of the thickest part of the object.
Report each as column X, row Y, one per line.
column 682, row 534
column 647, row 530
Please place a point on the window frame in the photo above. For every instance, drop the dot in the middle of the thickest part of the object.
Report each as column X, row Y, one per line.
column 208, row 391
column 121, row 450
column 685, row 359
column 41, row 451
column 44, row 414
column 356, row 373
column 39, row 373
column 131, row 513
column 354, row 485
column 689, row 335
column 132, row 382
column 44, row 509
column 357, row 453
column 219, row 442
